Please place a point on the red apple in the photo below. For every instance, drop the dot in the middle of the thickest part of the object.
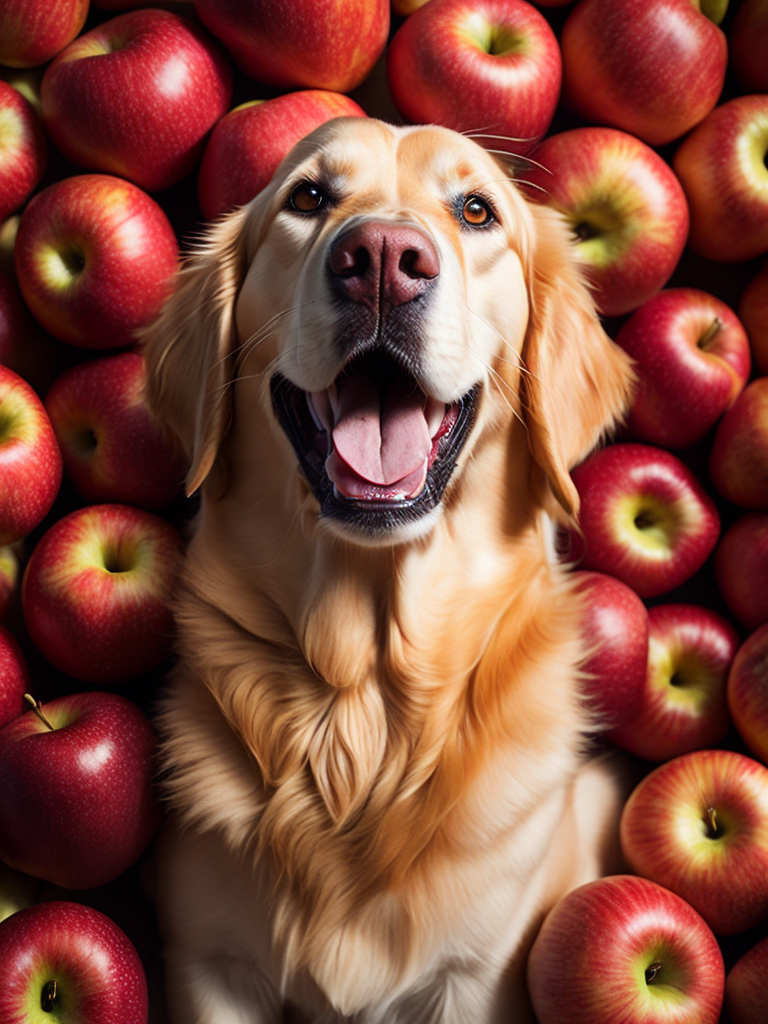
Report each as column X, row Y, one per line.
column 319, row 44
column 745, row 986
column 14, row 678
column 625, row 207
column 615, row 624
column 9, row 575
column 488, row 68
column 748, row 692
column 114, row 448
column 748, row 45
column 691, row 356
column 32, row 32
column 683, row 704
column 77, row 800
column 741, row 568
column 97, row 591
column 654, row 68
column 698, row 824
column 136, row 96
column 644, row 517
column 24, row 346
column 71, row 964
column 622, row 950
column 249, row 142
column 95, row 260
column 738, row 458
column 30, row 460
column 721, row 166
column 23, row 150
column 753, row 313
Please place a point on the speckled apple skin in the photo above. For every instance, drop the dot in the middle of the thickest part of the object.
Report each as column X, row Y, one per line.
column 77, row 804
column 96, row 624
column 93, row 961
column 136, row 96
column 30, row 460
column 114, row 448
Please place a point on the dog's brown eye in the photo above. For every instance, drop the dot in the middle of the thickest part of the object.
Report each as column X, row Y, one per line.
column 307, row 198
column 476, row 212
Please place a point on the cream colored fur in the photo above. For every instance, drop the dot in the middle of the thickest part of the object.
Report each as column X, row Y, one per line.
column 376, row 752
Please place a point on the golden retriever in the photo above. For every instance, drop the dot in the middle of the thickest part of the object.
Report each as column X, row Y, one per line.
column 382, row 369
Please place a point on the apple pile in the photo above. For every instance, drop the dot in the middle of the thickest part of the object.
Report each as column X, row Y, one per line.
column 123, row 129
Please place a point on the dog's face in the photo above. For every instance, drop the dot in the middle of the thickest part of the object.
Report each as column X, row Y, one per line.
column 388, row 299
column 389, row 268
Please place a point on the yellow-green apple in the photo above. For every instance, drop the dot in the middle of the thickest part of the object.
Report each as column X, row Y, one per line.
column 624, row 205
column 136, row 96
column 8, row 230
column 14, row 677
column 745, row 986
column 248, row 143
column 70, row 964
column 620, row 950
column 17, row 891
column 77, row 790
column 615, row 626
column 97, row 589
column 30, row 460
column 691, row 358
column 741, row 568
column 698, row 824
column 23, row 149
column 748, row 45
column 31, row 32
column 654, row 68
column 9, row 576
column 738, row 457
column 95, row 259
column 488, row 68
column 747, row 692
column 644, row 517
column 753, row 313
column 722, row 168
column 316, row 44
column 683, row 704
column 114, row 448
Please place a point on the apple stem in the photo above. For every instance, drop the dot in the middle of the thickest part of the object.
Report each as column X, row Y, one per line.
column 37, row 707
column 49, row 995
column 652, row 970
column 710, row 334
column 710, row 818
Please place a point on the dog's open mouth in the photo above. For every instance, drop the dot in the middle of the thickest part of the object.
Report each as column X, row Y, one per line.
column 376, row 450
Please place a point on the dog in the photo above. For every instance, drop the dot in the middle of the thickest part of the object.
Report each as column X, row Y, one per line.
column 375, row 746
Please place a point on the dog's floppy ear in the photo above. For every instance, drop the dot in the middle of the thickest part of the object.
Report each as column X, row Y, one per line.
column 577, row 382
column 189, row 347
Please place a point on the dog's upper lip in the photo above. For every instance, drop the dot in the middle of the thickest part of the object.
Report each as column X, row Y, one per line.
column 381, row 439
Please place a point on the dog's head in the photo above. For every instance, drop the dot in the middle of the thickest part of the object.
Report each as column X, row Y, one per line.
column 385, row 303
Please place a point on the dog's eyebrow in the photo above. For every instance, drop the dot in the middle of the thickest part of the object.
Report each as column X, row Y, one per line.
column 321, row 172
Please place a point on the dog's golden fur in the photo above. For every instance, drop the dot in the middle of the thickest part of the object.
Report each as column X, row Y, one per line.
column 376, row 750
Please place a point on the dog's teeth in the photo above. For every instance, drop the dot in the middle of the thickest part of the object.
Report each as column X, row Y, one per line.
column 435, row 413
column 319, row 409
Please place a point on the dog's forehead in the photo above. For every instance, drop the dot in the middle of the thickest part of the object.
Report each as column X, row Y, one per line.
column 364, row 154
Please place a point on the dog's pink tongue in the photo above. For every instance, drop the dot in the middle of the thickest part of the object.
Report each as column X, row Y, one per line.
column 382, row 442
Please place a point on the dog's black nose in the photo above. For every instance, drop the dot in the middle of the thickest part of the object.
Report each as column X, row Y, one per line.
column 381, row 264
